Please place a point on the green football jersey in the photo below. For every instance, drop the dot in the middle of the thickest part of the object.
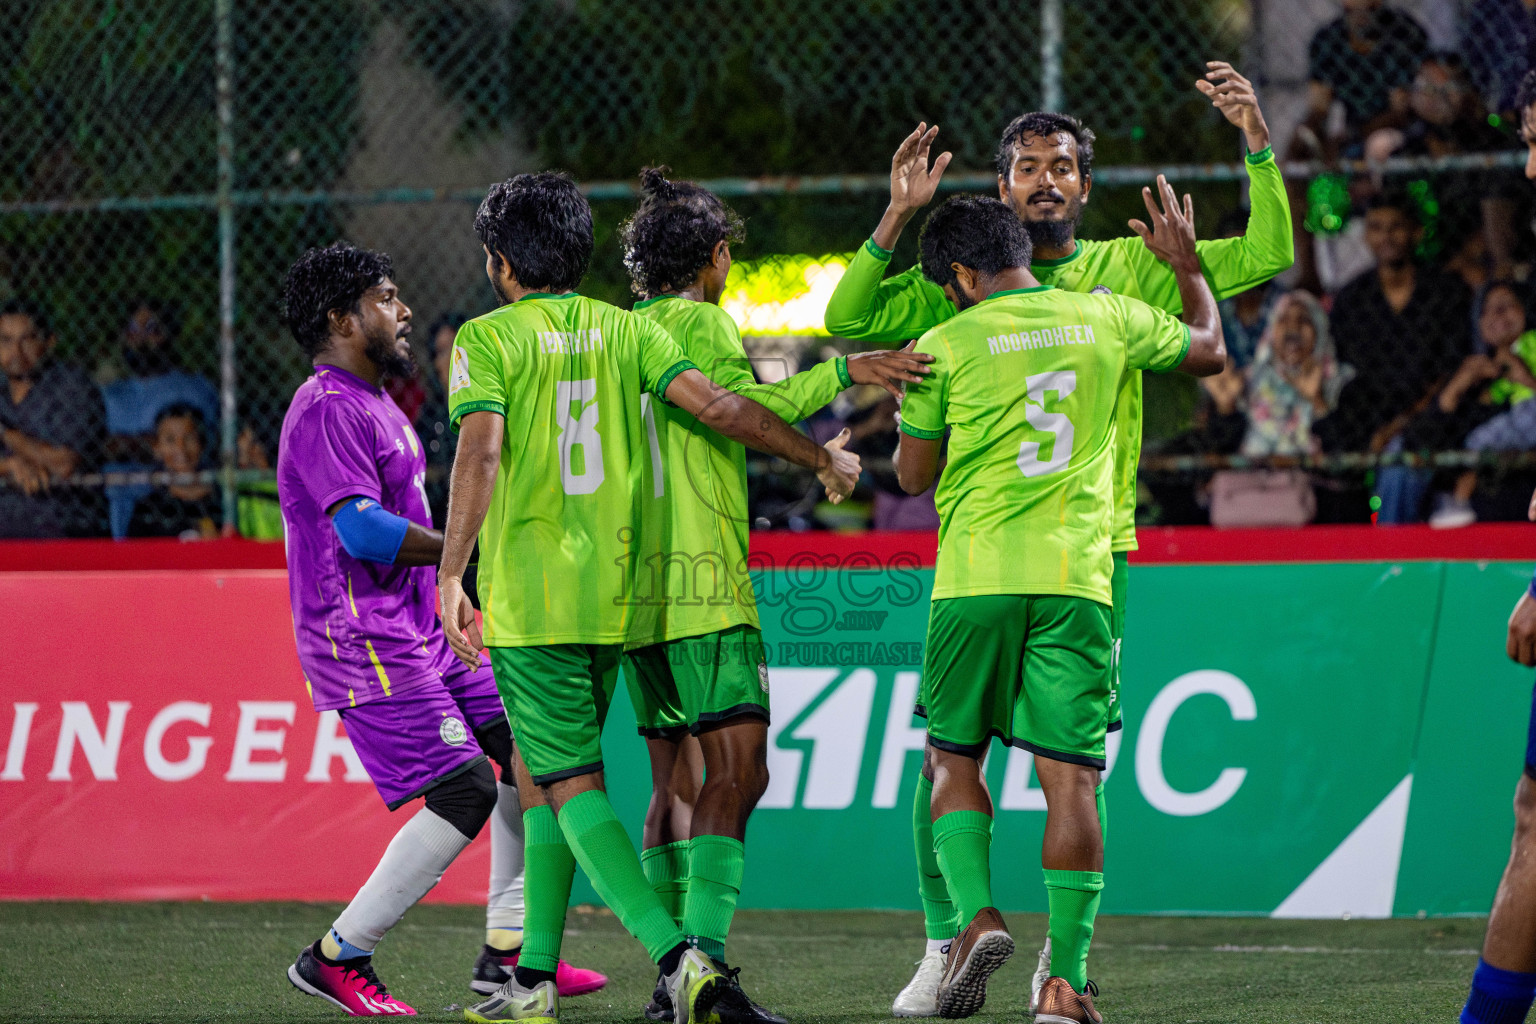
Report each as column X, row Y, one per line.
column 580, row 383
column 693, row 569
column 1027, row 382
column 866, row 308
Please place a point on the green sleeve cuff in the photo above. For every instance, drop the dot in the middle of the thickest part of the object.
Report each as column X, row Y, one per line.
column 1267, row 153
column 883, row 255
column 484, row 405
column 842, row 372
column 1183, row 351
column 660, row 390
column 920, row 433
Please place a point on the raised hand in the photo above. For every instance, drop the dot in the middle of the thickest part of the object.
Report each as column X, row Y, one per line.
column 1172, row 234
column 841, row 473
column 1233, row 95
column 889, row 368
column 913, row 183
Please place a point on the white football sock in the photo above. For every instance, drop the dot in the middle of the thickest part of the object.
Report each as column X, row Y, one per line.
column 412, row 864
column 504, row 907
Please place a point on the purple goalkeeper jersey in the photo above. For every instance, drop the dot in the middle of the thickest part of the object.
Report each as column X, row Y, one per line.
column 364, row 630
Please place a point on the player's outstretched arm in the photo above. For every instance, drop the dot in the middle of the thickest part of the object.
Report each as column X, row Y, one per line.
column 1267, row 246
column 1171, row 237
column 741, row 419
column 1233, row 95
column 865, row 305
column 913, row 183
column 475, row 463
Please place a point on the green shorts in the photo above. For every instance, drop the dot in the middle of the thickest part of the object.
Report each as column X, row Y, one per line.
column 1119, row 585
column 1031, row 670
column 684, row 685
column 557, row 699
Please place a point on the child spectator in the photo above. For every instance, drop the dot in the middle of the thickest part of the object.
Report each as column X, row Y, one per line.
column 190, row 511
column 1478, row 408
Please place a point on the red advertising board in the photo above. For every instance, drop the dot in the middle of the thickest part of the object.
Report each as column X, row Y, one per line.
column 161, row 746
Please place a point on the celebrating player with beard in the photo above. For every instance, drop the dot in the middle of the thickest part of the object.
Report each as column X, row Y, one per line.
column 350, row 476
column 1045, row 173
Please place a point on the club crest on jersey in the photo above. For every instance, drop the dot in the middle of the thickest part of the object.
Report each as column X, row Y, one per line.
column 1100, row 289
column 762, row 675
column 458, row 372
column 452, row 731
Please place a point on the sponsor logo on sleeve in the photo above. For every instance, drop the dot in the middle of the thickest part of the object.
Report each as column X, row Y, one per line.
column 458, row 373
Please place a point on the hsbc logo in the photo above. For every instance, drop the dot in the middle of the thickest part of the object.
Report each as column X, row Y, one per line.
column 824, row 720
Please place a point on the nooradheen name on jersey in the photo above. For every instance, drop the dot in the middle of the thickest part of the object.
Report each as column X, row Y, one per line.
column 564, row 342
column 1048, row 337
column 458, row 374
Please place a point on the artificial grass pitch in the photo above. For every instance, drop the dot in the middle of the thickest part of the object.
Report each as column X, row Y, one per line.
column 174, row 962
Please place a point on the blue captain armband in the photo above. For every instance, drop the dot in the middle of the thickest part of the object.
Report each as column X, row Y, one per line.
column 368, row 531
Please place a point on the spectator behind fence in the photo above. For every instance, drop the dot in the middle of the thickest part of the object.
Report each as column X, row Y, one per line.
column 1295, row 380
column 1497, row 378
column 153, row 380
column 1497, row 39
column 51, row 426
column 1403, row 327
column 191, row 511
column 1364, row 59
column 1476, row 208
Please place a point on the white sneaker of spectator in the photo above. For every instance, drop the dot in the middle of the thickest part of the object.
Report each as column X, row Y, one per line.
column 1452, row 514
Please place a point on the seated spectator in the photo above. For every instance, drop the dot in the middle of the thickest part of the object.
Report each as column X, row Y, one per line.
column 191, row 511
column 1363, row 59
column 1295, row 380
column 1402, row 326
column 154, row 381
column 1244, row 316
column 1497, row 41
column 1449, row 120
column 1496, row 377
column 51, row 427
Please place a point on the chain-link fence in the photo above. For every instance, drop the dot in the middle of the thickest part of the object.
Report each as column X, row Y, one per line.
column 162, row 164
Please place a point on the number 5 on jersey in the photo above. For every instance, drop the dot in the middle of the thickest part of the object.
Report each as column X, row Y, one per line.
column 1063, row 383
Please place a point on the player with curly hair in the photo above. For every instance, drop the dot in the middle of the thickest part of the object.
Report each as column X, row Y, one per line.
column 361, row 547
column 694, row 663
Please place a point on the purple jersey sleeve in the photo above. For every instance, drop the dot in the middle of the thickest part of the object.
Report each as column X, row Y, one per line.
column 337, row 458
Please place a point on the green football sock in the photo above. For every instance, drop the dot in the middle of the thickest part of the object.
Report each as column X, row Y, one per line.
column 715, row 867
column 666, row 868
column 962, row 841
column 938, row 910
column 1074, row 902
column 605, row 853
column 548, row 867
column 1098, row 798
